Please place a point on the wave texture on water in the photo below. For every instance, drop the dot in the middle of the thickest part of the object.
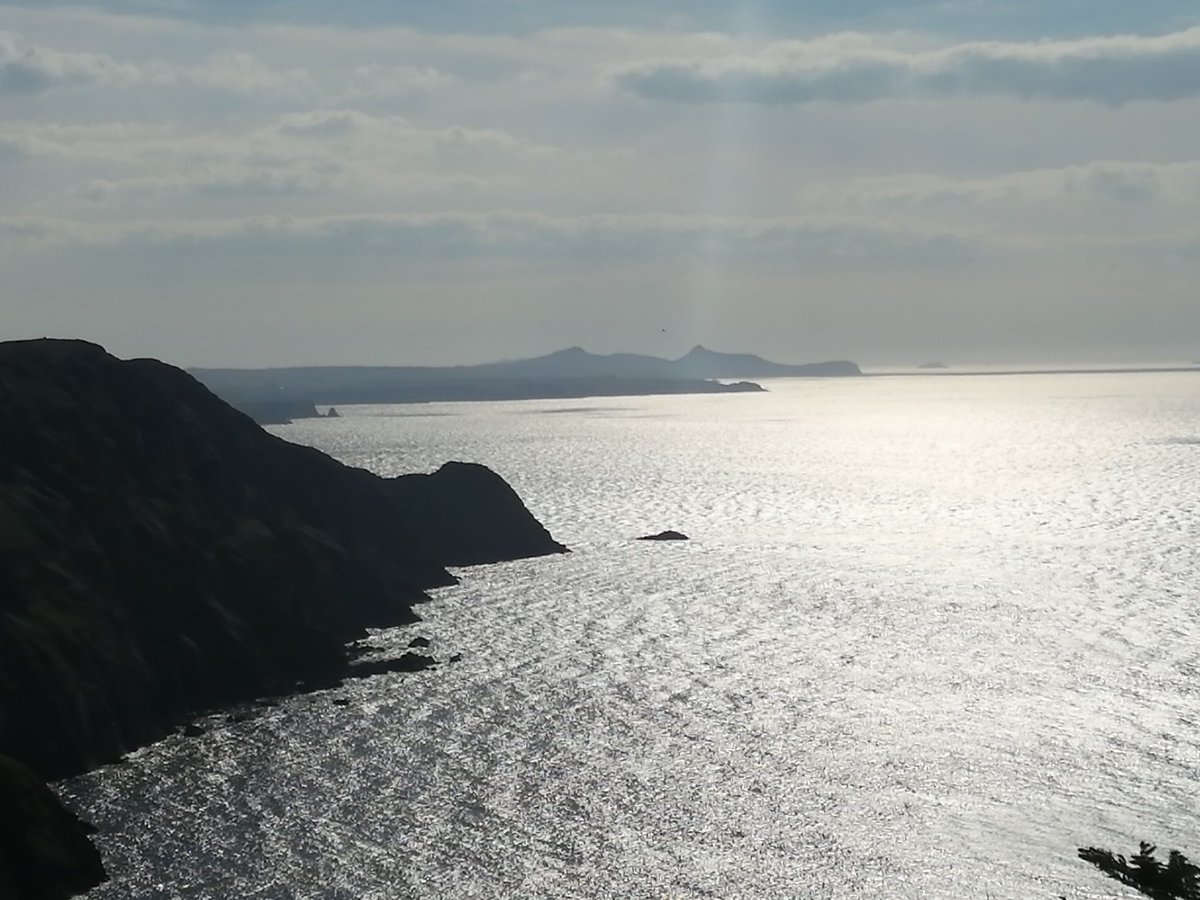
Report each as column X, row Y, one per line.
column 929, row 637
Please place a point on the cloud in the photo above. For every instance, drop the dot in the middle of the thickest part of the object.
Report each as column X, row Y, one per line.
column 336, row 156
column 383, row 82
column 1109, row 181
column 862, row 68
column 831, row 242
column 234, row 184
column 239, row 183
column 593, row 239
column 29, row 69
column 392, row 132
column 335, row 123
column 235, row 72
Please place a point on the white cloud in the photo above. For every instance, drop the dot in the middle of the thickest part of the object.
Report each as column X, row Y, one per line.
column 235, row 183
column 862, row 68
column 236, row 72
column 384, row 82
column 1109, row 181
column 29, row 69
column 533, row 236
column 319, row 152
column 813, row 242
column 268, row 160
column 326, row 123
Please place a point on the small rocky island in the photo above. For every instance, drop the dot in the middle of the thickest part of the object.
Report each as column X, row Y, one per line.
column 160, row 554
column 668, row 535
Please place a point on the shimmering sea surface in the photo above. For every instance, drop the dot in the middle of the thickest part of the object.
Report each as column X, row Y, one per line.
column 930, row 636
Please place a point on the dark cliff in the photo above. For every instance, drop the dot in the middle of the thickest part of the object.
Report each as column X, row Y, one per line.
column 45, row 853
column 159, row 553
column 467, row 514
column 275, row 411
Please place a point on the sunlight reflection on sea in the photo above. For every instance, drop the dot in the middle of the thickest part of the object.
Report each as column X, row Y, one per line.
column 929, row 636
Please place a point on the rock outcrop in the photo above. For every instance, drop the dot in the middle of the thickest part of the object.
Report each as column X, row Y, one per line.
column 45, row 853
column 665, row 536
column 467, row 514
column 160, row 553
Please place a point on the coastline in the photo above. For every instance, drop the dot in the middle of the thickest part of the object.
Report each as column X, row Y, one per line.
column 162, row 555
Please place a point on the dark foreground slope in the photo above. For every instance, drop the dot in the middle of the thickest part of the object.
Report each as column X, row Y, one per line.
column 160, row 552
column 45, row 853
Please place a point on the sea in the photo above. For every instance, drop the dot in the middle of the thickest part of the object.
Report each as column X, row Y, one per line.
column 930, row 635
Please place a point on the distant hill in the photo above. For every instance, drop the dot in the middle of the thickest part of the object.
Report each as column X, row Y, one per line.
column 700, row 362
column 573, row 372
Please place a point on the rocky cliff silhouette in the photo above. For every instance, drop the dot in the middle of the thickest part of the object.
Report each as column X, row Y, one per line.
column 161, row 553
column 464, row 514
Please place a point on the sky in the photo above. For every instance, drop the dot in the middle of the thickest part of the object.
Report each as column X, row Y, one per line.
column 257, row 183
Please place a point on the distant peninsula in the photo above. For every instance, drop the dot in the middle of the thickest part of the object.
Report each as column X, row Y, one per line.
column 273, row 396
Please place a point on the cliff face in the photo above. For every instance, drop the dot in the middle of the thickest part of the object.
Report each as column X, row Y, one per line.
column 467, row 514
column 160, row 552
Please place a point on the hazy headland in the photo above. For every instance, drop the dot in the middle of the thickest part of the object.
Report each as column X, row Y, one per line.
column 280, row 394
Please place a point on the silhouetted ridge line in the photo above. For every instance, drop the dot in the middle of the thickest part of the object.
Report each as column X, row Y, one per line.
column 274, row 395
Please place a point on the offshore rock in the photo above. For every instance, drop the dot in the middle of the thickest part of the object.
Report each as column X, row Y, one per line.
column 161, row 554
column 665, row 536
column 45, row 853
column 466, row 515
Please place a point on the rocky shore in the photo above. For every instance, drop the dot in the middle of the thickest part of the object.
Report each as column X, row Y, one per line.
column 161, row 554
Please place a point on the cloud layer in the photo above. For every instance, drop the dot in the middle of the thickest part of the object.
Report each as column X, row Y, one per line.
column 593, row 240
column 29, row 69
column 409, row 185
column 859, row 69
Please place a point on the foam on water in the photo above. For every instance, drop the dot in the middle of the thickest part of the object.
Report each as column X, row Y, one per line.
column 930, row 636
